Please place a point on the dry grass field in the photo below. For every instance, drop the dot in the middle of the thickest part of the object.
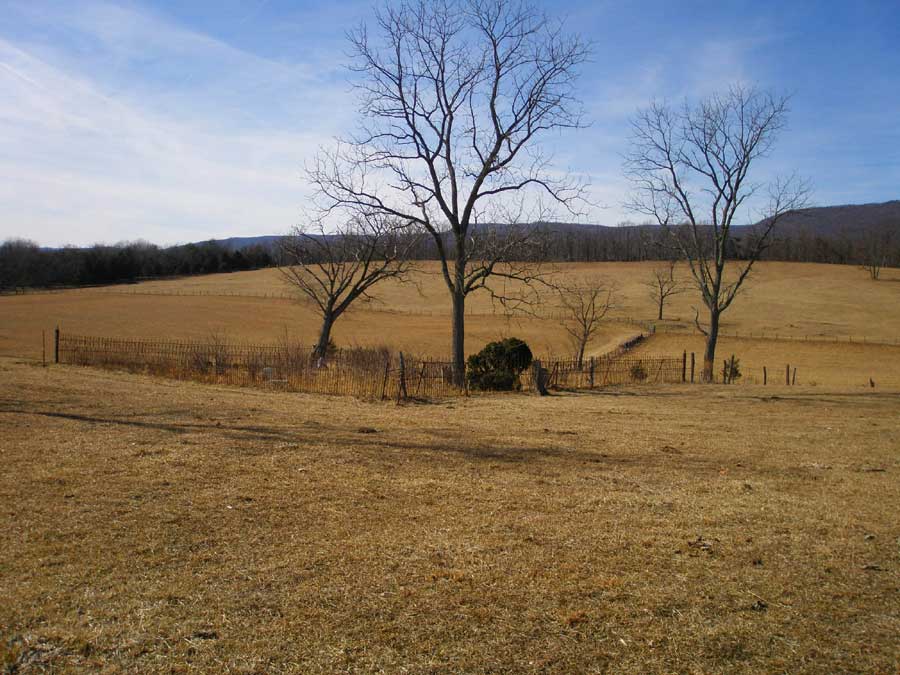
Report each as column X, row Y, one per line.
column 817, row 363
column 782, row 299
column 157, row 526
column 794, row 299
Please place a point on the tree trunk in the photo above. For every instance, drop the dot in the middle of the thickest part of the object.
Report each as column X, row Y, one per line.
column 459, row 337
column 661, row 300
column 581, row 348
column 709, row 356
column 321, row 350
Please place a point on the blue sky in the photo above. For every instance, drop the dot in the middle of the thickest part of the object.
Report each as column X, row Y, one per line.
column 180, row 121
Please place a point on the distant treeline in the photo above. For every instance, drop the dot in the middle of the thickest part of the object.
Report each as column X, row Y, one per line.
column 635, row 243
column 24, row 264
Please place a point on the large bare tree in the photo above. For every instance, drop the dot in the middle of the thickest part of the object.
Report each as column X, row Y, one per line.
column 456, row 96
column 691, row 170
column 584, row 308
column 335, row 267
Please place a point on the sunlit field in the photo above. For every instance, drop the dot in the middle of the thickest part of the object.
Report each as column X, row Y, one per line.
column 811, row 302
column 707, row 529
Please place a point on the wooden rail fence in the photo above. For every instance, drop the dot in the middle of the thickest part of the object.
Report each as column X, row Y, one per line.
column 373, row 374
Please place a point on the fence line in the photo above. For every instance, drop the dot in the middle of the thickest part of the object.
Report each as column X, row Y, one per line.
column 364, row 373
column 609, row 371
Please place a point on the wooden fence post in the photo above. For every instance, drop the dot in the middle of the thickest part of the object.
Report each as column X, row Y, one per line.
column 765, row 376
column 725, row 371
column 692, row 367
column 56, row 345
column 684, row 366
column 538, row 374
column 592, row 373
column 43, row 348
column 794, row 378
column 401, row 390
column 387, row 371
column 731, row 371
column 787, row 375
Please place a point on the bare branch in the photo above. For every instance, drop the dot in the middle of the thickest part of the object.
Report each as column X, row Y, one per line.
column 584, row 308
column 333, row 269
column 691, row 172
column 456, row 97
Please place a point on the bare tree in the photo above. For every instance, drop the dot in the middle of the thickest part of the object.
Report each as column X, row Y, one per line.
column 875, row 249
column 333, row 269
column 663, row 285
column 456, row 96
column 584, row 308
column 691, row 170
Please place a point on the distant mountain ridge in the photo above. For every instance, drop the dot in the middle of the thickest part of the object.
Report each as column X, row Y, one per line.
column 845, row 219
column 848, row 220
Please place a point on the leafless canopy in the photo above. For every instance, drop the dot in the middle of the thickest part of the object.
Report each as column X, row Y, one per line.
column 584, row 308
column 875, row 248
column 334, row 268
column 691, row 170
column 455, row 98
column 662, row 285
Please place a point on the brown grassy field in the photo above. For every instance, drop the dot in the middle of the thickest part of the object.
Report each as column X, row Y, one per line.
column 120, row 313
column 819, row 302
column 794, row 299
column 158, row 526
column 817, row 363
column 782, row 299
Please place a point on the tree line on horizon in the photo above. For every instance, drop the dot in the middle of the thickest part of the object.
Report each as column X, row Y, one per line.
column 629, row 242
column 24, row 264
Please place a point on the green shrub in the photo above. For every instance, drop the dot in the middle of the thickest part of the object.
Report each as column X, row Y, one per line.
column 498, row 366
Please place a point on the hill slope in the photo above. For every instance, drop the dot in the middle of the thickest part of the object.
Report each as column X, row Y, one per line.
column 847, row 220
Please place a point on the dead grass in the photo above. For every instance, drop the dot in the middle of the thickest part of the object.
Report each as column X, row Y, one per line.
column 105, row 313
column 158, row 526
column 782, row 299
column 817, row 363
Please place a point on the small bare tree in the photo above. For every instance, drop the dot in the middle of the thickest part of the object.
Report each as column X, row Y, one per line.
column 584, row 308
column 333, row 269
column 875, row 249
column 455, row 97
column 663, row 285
column 691, row 170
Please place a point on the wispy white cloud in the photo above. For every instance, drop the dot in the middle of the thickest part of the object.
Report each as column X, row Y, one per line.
column 86, row 156
column 118, row 120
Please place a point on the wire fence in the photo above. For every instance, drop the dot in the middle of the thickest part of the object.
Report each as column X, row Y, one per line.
column 360, row 372
column 608, row 371
column 773, row 335
column 366, row 373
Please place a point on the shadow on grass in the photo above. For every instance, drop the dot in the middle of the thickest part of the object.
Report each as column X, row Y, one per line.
column 248, row 431
column 377, row 445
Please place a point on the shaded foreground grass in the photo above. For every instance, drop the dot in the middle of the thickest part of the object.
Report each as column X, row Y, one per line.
column 158, row 526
